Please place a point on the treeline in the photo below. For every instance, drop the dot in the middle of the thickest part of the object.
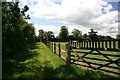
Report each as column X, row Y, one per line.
column 76, row 34
column 17, row 33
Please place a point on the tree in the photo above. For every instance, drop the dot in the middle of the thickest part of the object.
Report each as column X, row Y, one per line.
column 108, row 38
column 41, row 34
column 46, row 35
column 93, row 35
column 63, row 35
column 50, row 36
column 15, row 28
column 29, row 33
column 118, row 37
column 77, row 34
column 85, row 37
column 71, row 37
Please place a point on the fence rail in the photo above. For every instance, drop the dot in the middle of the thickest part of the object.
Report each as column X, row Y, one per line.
column 106, row 63
column 109, row 45
column 57, row 49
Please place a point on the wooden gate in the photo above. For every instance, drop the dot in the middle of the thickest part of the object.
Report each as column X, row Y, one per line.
column 104, row 62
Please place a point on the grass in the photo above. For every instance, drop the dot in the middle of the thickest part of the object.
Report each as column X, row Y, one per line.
column 99, row 57
column 94, row 56
column 39, row 63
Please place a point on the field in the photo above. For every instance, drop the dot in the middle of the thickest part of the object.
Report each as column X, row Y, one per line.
column 39, row 62
column 104, row 61
column 96, row 60
column 102, row 45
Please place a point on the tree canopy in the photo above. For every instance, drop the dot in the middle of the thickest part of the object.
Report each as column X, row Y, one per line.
column 63, row 34
column 77, row 34
column 15, row 29
column 46, row 35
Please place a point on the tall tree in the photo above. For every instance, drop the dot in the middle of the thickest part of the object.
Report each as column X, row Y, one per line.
column 63, row 35
column 29, row 33
column 13, row 26
column 41, row 34
column 93, row 35
column 77, row 34
column 46, row 35
column 50, row 36
column 85, row 37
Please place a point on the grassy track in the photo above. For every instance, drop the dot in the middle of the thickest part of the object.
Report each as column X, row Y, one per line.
column 39, row 62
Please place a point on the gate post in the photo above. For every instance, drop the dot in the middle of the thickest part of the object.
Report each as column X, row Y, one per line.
column 68, row 55
column 59, row 50
column 54, row 47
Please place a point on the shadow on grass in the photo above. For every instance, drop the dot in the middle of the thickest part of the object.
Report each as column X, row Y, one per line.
column 68, row 72
column 34, row 70
column 11, row 65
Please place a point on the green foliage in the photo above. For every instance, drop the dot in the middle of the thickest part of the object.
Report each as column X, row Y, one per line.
column 39, row 63
column 46, row 35
column 77, row 34
column 93, row 35
column 15, row 29
column 29, row 33
column 118, row 37
column 41, row 34
column 63, row 35
column 50, row 35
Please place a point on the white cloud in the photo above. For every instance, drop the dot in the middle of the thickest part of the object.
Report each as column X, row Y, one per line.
column 112, row 31
column 55, row 29
column 86, row 13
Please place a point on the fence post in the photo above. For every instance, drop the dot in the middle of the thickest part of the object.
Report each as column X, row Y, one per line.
column 84, row 45
column 119, row 45
column 87, row 44
column 106, row 44
column 79, row 44
column 114, row 44
column 98, row 44
column 110, row 44
column 90, row 44
column 73, row 44
column 68, row 55
column 103, row 44
column 59, row 50
column 54, row 47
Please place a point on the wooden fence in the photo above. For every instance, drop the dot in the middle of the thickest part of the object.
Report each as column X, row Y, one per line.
column 97, row 60
column 57, row 49
column 111, row 45
column 75, row 56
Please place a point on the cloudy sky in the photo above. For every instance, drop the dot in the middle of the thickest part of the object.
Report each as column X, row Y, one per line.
column 50, row 15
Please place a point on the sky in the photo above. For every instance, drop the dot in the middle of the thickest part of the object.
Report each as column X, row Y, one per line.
column 50, row 15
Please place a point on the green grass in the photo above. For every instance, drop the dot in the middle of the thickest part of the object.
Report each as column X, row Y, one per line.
column 95, row 56
column 99, row 57
column 39, row 62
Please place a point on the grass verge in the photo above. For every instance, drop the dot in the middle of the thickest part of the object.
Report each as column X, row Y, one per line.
column 39, row 63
